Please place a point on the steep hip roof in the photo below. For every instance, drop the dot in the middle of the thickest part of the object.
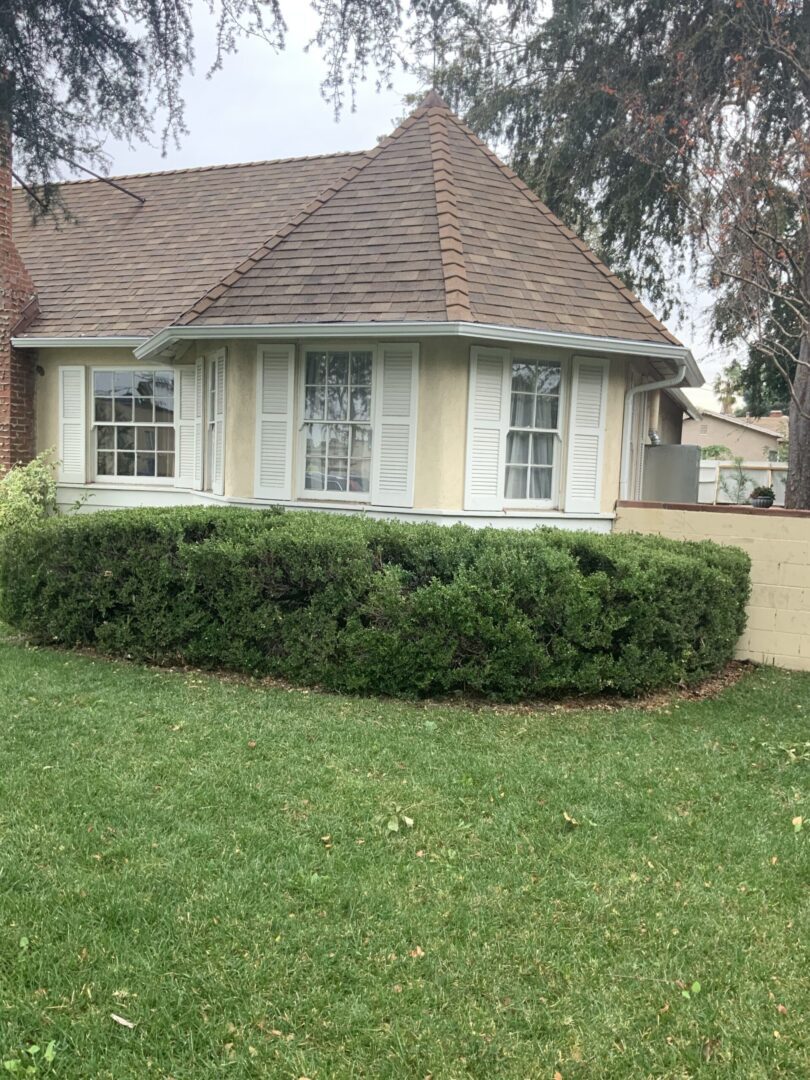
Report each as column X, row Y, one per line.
column 429, row 226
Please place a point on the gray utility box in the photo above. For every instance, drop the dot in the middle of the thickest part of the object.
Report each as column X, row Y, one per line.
column 671, row 474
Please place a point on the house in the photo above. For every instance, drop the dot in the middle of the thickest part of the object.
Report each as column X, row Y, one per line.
column 407, row 331
column 753, row 438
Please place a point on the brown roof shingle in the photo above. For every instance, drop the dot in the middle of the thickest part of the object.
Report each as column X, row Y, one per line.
column 427, row 226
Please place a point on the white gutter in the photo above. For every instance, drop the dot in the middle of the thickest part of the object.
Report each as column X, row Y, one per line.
column 46, row 342
column 408, row 330
column 627, row 428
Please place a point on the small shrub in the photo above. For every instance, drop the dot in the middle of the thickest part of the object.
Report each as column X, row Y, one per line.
column 368, row 606
column 27, row 493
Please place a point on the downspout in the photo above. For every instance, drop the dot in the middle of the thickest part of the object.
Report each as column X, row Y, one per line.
column 627, row 430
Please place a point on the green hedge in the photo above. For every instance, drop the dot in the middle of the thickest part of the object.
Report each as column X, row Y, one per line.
column 366, row 606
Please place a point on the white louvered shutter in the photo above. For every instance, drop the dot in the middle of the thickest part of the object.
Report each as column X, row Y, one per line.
column 218, row 455
column 199, row 427
column 72, row 425
column 487, row 423
column 185, row 394
column 586, row 436
column 274, row 422
column 394, row 436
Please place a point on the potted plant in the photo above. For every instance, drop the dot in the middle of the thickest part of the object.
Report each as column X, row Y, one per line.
column 762, row 497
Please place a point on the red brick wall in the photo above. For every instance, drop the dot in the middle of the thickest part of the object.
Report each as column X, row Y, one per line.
column 17, row 373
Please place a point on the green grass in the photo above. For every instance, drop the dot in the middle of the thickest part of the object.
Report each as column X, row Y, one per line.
column 247, row 908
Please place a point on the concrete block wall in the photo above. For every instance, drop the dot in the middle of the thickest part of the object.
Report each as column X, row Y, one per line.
column 778, row 541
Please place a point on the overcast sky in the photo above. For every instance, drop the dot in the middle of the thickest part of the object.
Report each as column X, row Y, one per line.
column 265, row 105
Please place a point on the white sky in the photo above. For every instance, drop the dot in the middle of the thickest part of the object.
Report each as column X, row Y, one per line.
column 265, row 105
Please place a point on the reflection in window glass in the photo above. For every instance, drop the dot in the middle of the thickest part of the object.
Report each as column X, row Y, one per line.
column 134, row 423
column 337, row 421
column 532, row 440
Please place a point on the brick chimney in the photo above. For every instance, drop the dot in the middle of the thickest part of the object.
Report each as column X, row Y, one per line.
column 17, row 302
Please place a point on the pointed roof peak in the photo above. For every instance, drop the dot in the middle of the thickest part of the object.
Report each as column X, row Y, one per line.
column 433, row 100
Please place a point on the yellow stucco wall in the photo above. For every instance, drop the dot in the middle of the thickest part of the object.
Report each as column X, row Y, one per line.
column 778, row 630
column 441, row 418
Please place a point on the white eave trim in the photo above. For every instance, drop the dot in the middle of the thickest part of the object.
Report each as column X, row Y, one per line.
column 34, row 342
column 409, row 330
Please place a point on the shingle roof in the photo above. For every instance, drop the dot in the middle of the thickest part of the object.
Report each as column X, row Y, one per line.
column 427, row 226
column 125, row 269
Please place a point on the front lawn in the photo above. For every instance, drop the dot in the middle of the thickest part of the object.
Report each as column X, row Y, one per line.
column 285, row 884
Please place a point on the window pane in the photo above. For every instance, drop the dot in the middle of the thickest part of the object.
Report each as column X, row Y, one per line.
column 361, row 369
column 104, row 409
column 314, row 398
column 546, row 412
column 316, row 440
column 164, row 386
column 165, row 439
column 126, row 464
column 123, row 410
column 522, row 410
column 316, row 367
column 144, row 413
column 164, row 410
column 540, row 484
column 517, row 447
column 338, row 369
column 125, row 438
column 515, row 482
column 143, row 384
column 523, row 375
column 145, row 438
column 336, row 476
column 105, row 463
column 122, row 383
column 339, row 440
column 360, row 464
column 103, row 383
column 337, row 403
column 548, row 378
column 106, row 438
column 361, row 402
column 145, row 465
column 165, row 464
column 542, row 449
column 314, row 476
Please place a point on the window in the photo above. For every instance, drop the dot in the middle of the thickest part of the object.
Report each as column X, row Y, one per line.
column 533, row 435
column 133, row 413
column 337, row 421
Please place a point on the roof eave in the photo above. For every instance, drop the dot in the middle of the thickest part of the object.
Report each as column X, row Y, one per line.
column 167, row 337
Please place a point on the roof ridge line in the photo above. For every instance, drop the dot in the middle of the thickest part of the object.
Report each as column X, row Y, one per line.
column 552, row 218
column 204, row 168
column 280, row 235
column 451, row 247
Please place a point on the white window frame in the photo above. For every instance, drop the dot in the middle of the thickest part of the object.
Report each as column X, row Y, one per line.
column 93, row 425
column 534, row 356
column 301, row 492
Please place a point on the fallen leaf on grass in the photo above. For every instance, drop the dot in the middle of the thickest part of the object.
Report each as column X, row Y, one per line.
column 781, row 1009
column 121, row 1020
column 417, row 953
column 251, row 744
column 798, row 822
column 570, row 822
column 708, row 1048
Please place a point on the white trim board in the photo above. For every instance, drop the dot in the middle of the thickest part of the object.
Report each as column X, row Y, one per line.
column 35, row 342
column 409, row 330
column 102, row 496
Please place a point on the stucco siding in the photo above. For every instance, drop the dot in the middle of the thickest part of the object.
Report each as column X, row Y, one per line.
column 441, row 433
column 743, row 442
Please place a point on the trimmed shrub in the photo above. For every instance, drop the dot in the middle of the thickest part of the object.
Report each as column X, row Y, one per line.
column 27, row 493
column 366, row 606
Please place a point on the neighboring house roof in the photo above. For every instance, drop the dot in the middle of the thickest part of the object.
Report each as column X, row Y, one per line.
column 428, row 226
column 769, row 426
